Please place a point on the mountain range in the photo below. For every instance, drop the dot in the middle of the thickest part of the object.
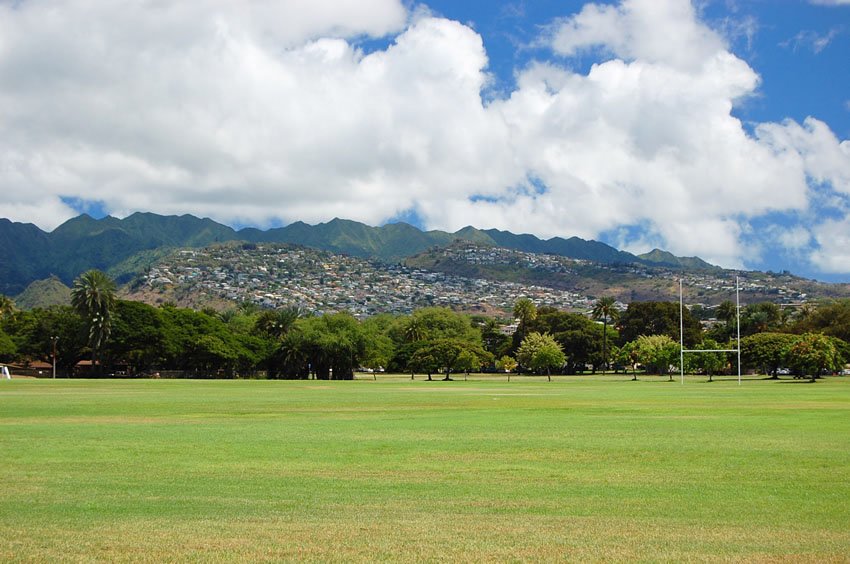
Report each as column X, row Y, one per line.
column 124, row 247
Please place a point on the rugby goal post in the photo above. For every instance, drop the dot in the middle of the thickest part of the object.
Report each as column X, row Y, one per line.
column 682, row 349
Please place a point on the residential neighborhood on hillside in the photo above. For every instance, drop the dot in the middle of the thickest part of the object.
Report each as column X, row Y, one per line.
column 628, row 281
column 279, row 275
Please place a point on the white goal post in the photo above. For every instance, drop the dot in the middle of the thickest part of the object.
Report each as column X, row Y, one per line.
column 682, row 349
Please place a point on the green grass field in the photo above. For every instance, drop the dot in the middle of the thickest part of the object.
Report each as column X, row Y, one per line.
column 583, row 468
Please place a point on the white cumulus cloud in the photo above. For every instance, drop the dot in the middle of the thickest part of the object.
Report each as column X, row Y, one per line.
column 646, row 138
column 266, row 112
column 654, row 31
column 833, row 237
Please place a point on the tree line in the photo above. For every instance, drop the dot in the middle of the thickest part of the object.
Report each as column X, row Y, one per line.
column 125, row 337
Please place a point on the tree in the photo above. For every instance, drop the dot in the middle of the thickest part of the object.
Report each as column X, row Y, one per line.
column 277, row 323
column 291, row 359
column 448, row 355
column 379, row 346
column 211, row 354
column 248, row 308
column 707, row 362
column 469, row 361
column 33, row 333
column 7, row 306
column 759, row 318
column 333, row 345
column 547, row 357
column 540, row 352
column 401, row 356
column 435, row 323
column 615, row 356
column 7, row 347
column 137, row 336
column 423, row 327
column 606, row 310
column 272, row 327
column 205, row 345
column 423, row 359
column 629, row 355
column 253, row 350
column 93, row 296
column 506, row 364
column 582, row 346
column 526, row 312
column 579, row 337
column 227, row 315
column 658, row 318
column 830, row 318
column 803, row 313
column 700, row 312
column 495, row 341
column 727, row 312
column 657, row 353
column 766, row 351
column 812, row 354
column 842, row 349
column 414, row 329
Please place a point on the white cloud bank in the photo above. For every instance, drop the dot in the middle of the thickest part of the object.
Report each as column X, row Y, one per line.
column 258, row 112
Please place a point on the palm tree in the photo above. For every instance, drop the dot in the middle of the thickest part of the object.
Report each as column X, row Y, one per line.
column 226, row 316
column 727, row 312
column 248, row 308
column 93, row 296
column 277, row 323
column 805, row 313
column 606, row 310
column 414, row 330
column 526, row 312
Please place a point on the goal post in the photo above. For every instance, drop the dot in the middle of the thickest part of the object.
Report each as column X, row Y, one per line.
column 683, row 350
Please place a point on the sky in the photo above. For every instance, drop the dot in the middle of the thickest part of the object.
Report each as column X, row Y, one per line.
column 710, row 128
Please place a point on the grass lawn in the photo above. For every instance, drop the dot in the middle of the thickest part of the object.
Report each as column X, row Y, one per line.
column 583, row 468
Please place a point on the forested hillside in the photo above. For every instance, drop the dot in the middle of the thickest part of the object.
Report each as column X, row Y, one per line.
column 125, row 246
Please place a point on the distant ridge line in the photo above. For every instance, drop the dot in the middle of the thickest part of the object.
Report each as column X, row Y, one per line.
column 28, row 253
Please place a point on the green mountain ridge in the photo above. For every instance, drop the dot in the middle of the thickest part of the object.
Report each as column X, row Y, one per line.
column 125, row 246
column 23, row 248
column 664, row 258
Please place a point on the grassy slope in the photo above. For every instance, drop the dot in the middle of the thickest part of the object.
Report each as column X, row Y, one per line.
column 480, row 470
column 44, row 293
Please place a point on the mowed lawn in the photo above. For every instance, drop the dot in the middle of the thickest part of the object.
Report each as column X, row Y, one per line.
column 582, row 468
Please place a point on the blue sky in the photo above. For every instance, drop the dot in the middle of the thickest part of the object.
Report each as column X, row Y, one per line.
column 800, row 49
column 716, row 128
